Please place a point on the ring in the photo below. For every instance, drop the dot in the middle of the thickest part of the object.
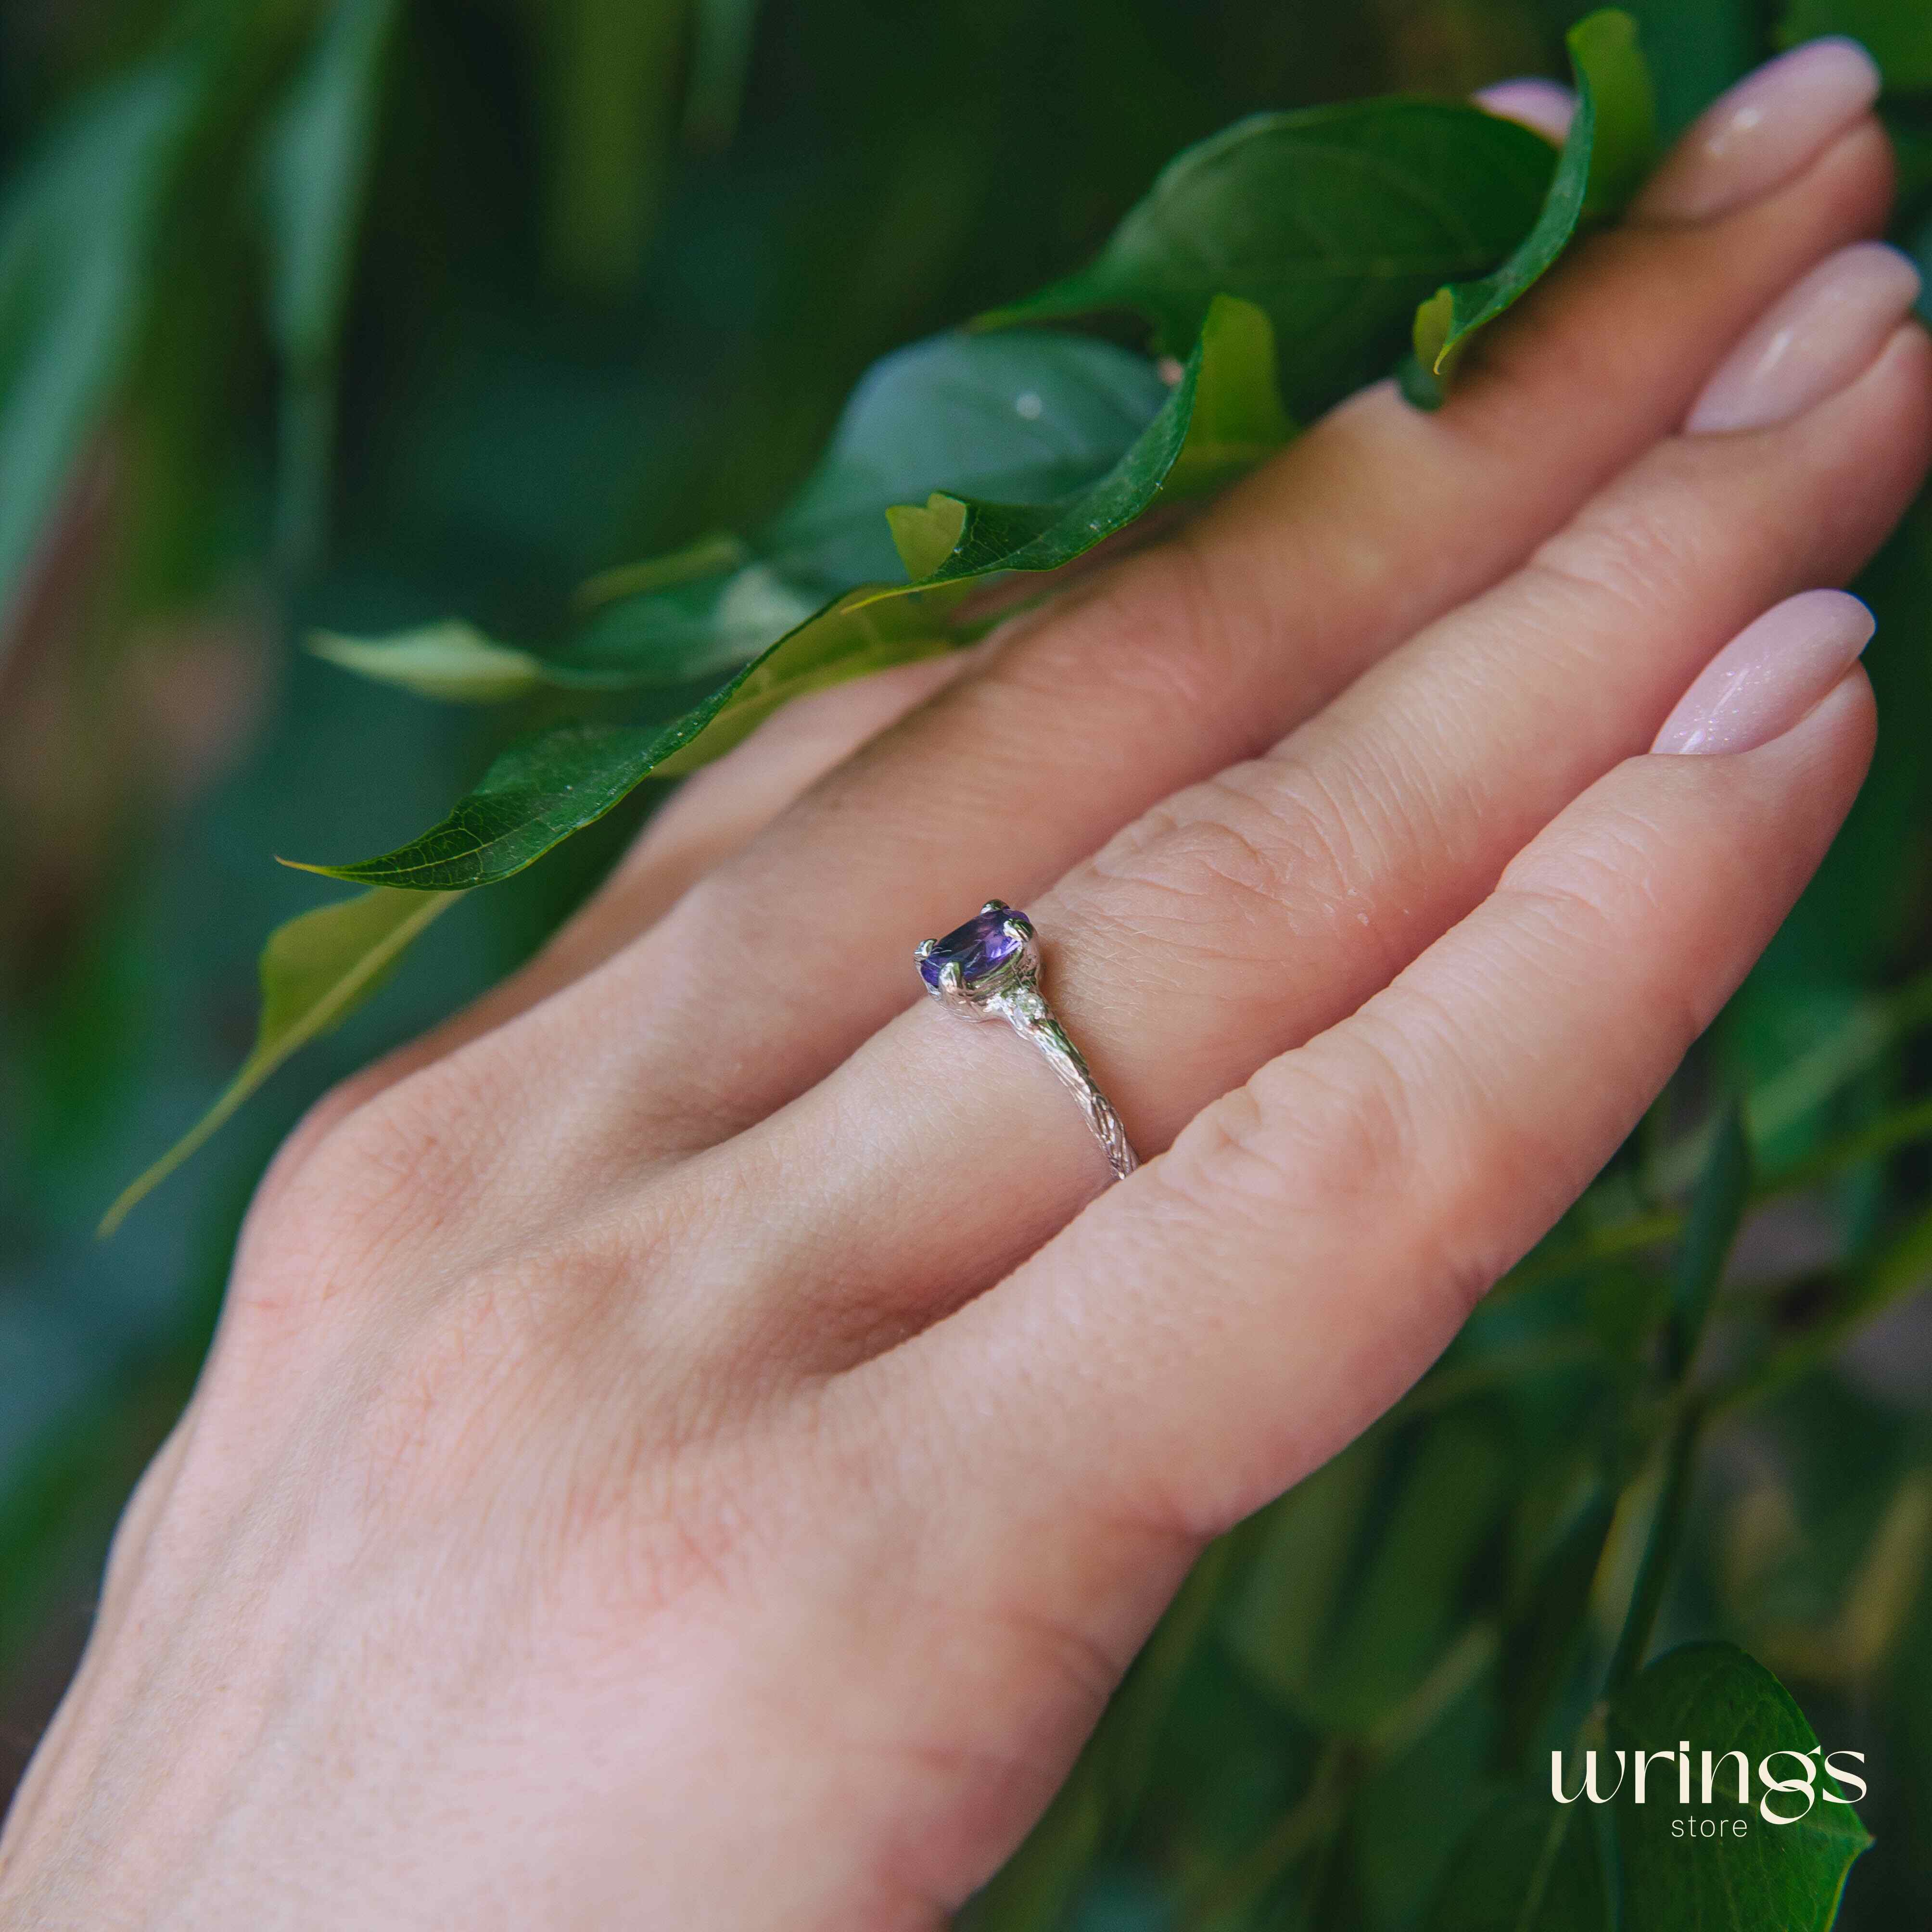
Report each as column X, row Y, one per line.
column 989, row 969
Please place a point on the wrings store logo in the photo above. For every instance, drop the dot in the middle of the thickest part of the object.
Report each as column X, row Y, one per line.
column 1788, row 1783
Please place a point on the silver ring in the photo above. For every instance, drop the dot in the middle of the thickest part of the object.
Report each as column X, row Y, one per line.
column 989, row 969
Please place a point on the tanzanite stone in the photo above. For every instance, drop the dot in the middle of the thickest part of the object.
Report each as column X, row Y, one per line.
column 980, row 948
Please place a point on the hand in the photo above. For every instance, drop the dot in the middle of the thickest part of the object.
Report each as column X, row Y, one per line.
column 695, row 1442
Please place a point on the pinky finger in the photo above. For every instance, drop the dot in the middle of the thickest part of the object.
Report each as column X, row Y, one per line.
column 1213, row 1329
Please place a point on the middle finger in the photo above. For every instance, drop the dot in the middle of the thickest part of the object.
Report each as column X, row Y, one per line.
column 1248, row 912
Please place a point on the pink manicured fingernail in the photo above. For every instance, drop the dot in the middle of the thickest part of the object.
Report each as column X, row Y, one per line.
column 1813, row 342
column 1762, row 131
column 1769, row 675
column 1543, row 105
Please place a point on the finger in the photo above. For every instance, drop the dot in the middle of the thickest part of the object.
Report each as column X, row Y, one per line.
column 1249, row 913
column 1183, row 660
column 1225, row 1321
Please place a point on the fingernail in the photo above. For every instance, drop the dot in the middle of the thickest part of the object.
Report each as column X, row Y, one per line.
column 1762, row 131
column 1812, row 341
column 1769, row 675
column 1544, row 105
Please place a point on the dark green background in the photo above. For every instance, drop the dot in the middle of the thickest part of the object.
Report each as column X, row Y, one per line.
column 609, row 297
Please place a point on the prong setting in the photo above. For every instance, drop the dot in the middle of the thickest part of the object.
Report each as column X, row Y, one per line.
column 989, row 969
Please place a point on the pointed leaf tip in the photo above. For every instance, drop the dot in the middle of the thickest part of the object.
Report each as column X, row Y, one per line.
column 315, row 970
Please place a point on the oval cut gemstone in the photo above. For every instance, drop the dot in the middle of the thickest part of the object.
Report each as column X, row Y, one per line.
column 982, row 947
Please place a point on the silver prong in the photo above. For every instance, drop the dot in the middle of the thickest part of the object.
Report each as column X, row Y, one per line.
column 995, row 905
column 923, row 950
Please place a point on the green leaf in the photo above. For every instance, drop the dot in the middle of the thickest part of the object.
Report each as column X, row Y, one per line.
column 721, row 52
column 544, row 788
column 1246, row 423
column 451, row 660
column 1237, row 421
column 1541, row 1647
column 1278, row 1623
column 1898, row 33
column 1717, row 1212
column 1397, row 1622
column 614, row 93
column 1334, row 221
column 316, row 166
column 1611, row 144
column 1529, row 1865
column 1718, row 1699
column 316, row 161
column 1032, row 417
column 76, row 245
column 315, row 970
column 541, row 790
column 1606, row 53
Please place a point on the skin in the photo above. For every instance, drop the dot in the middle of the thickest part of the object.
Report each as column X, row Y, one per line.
column 647, row 1475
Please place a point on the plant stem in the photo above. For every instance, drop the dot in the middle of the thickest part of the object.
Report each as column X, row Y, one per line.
column 1303, row 1827
column 1666, row 1530
column 1651, row 1230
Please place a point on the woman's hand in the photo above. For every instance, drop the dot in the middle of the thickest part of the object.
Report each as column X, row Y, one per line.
column 695, row 1443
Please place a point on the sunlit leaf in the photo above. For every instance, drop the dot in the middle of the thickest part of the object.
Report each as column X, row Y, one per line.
column 450, row 660
column 1237, row 420
column 1607, row 55
column 315, row 970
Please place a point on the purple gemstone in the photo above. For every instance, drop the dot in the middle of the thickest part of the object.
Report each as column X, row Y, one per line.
column 981, row 947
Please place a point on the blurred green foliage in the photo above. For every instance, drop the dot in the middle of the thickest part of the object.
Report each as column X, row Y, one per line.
column 348, row 314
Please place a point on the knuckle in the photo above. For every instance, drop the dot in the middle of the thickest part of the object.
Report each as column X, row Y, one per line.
column 400, row 1169
column 1302, row 1138
column 1152, row 635
column 1634, row 552
column 1223, row 867
column 1609, row 867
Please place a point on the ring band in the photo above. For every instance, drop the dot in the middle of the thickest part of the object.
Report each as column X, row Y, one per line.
column 989, row 969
